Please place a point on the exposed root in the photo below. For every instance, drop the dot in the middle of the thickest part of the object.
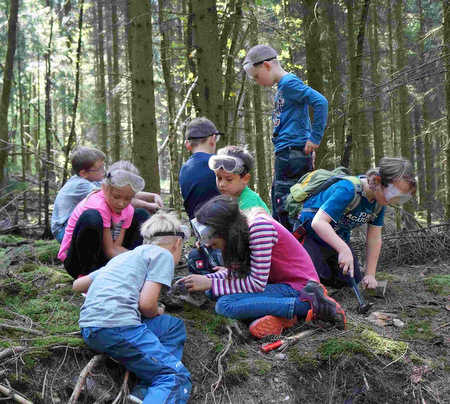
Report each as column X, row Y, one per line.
column 9, row 392
column 82, row 378
column 220, row 357
column 124, row 389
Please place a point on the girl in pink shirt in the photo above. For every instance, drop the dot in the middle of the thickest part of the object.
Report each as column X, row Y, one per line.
column 268, row 276
column 104, row 224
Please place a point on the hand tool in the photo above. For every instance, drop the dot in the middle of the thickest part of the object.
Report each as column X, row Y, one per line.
column 274, row 345
column 363, row 308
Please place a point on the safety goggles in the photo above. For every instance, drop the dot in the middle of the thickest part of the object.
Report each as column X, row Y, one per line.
column 230, row 164
column 394, row 196
column 122, row 178
column 184, row 233
column 203, row 233
column 217, row 134
column 249, row 66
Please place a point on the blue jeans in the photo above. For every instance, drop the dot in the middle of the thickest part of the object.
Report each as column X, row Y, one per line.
column 290, row 164
column 152, row 351
column 277, row 299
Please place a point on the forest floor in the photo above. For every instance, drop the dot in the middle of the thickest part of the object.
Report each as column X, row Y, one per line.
column 397, row 353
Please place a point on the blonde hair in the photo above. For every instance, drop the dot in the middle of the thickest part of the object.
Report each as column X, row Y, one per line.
column 158, row 223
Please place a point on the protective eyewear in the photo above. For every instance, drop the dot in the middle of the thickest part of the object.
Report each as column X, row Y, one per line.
column 122, row 178
column 248, row 67
column 203, row 233
column 393, row 195
column 102, row 168
column 230, row 164
column 217, row 134
column 184, row 233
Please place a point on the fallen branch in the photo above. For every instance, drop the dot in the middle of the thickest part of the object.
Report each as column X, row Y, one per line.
column 123, row 389
column 21, row 329
column 12, row 351
column 9, row 392
column 441, row 326
column 82, row 378
column 221, row 355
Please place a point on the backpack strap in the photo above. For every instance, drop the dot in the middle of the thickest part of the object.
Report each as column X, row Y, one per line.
column 357, row 184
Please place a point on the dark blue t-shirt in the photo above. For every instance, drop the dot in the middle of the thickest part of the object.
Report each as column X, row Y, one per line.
column 197, row 182
column 333, row 201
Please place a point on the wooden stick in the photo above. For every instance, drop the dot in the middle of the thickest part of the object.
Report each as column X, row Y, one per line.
column 9, row 392
column 219, row 359
column 12, row 351
column 22, row 329
column 82, row 378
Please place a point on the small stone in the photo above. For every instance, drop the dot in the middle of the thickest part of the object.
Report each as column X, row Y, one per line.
column 398, row 323
column 280, row 356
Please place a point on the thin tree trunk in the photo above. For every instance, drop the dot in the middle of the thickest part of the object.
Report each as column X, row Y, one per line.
column 116, row 79
column 446, row 60
column 22, row 134
column 103, row 129
column 72, row 135
column 143, row 87
column 7, row 83
column 48, row 129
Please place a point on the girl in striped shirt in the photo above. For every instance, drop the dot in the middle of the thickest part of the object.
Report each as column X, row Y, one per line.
column 268, row 276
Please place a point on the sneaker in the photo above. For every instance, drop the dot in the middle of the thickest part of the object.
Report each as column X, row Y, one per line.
column 270, row 325
column 137, row 395
column 323, row 307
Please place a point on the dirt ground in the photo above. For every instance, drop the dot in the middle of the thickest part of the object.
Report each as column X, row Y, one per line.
column 398, row 353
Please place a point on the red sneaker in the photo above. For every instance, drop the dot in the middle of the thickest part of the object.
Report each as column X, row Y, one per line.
column 270, row 325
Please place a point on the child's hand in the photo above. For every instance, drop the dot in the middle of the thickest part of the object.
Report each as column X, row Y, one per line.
column 310, row 147
column 218, row 268
column 160, row 310
column 369, row 282
column 345, row 259
column 197, row 283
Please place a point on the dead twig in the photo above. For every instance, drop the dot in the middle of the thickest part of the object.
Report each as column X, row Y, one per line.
column 441, row 326
column 21, row 329
column 5, row 353
column 221, row 355
column 82, row 378
column 9, row 392
column 124, row 389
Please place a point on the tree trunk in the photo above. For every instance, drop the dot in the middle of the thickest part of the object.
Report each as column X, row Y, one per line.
column 117, row 148
column 7, row 83
column 72, row 135
column 446, row 62
column 166, row 68
column 22, row 135
column 313, row 51
column 376, row 104
column 143, row 87
column 48, row 129
column 209, row 61
column 102, row 127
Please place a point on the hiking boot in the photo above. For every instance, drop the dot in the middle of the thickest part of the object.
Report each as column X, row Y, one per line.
column 323, row 307
column 137, row 395
column 270, row 325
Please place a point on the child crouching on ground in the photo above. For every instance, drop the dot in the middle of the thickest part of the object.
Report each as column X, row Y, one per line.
column 121, row 317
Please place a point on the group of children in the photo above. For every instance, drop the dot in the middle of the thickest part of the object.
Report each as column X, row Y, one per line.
column 122, row 255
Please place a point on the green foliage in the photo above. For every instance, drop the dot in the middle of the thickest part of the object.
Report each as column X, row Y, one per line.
column 262, row 367
column 47, row 252
column 204, row 320
column 419, row 330
column 239, row 371
column 302, row 359
column 335, row 347
column 438, row 284
column 10, row 239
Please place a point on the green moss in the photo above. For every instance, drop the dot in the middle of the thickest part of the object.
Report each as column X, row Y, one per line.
column 438, row 284
column 239, row 371
column 262, row 367
column 237, row 356
column 335, row 347
column 63, row 340
column 47, row 252
column 385, row 276
column 383, row 346
column 419, row 330
column 427, row 312
column 10, row 239
column 204, row 320
column 27, row 267
column 302, row 358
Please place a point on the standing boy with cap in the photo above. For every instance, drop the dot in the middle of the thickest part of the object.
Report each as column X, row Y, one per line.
column 197, row 180
column 293, row 136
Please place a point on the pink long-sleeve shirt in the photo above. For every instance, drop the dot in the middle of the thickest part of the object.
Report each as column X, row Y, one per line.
column 275, row 257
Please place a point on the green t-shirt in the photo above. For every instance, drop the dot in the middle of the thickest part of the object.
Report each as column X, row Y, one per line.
column 249, row 199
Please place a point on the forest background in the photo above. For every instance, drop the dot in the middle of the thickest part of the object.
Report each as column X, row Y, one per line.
column 126, row 76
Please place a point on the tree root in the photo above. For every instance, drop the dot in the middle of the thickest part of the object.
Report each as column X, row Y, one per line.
column 220, row 357
column 82, row 378
column 9, row 392
column 124, row 389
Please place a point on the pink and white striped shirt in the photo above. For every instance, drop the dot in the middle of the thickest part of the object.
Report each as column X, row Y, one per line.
column 275, row 257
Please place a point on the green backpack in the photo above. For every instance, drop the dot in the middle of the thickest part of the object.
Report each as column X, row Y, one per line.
column 315, row 182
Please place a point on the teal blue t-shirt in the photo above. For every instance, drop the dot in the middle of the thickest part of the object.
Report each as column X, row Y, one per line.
column 334, row 201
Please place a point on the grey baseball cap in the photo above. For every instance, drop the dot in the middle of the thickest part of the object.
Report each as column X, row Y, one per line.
column 200, row 128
